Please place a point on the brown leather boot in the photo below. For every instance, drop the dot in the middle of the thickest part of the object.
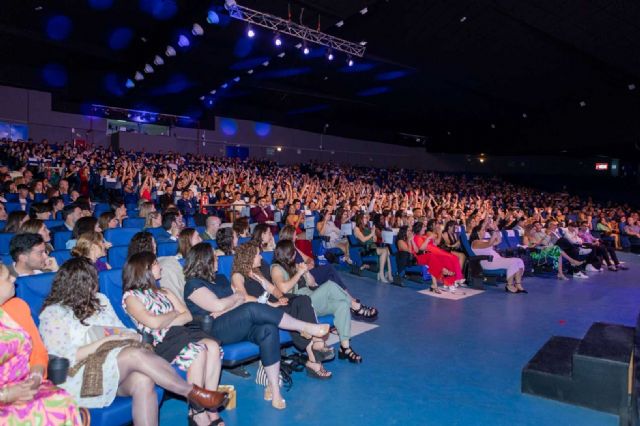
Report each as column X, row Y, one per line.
column 211, row 400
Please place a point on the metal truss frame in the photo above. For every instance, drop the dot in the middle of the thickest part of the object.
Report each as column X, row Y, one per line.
column 301, row 32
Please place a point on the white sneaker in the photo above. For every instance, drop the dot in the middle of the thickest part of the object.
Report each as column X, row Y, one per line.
column 591, row 268
column 584, row 251
column 580, row 275
column 452, row 289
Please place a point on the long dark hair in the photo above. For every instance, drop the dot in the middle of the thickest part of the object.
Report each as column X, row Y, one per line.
column 83, row 225
column 475, row 233
column 224, row 239
column 201, row 262
column 285, row 256
column 258, row 232
column 184, row 241
column 417, row 227
column 141, row 242
column 136, row 274
column 402, row 234
column 13, row 221
column 75, row 286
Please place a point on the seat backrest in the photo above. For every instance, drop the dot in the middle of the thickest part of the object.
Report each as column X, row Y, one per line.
column 34, row 289
column 212, row 243
column 60, row 239
column 61, row 256
column 6, row 259
column 120, row 236
column 111, row 286
column 53, row 223
column 117, row 256
column 225, row 264
column 156, row 231
column 133, row 222
column 169, row 248
column 503, row 243
column 267, row 256
column 464, row 242
column 512, row 238
column 243, row 240
column 13, row 207
column 101, row 208
column 5, row 239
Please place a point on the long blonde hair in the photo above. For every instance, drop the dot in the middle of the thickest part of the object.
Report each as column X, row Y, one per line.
column 85, row 242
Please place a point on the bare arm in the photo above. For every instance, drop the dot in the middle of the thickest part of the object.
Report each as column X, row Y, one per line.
column 136, row 309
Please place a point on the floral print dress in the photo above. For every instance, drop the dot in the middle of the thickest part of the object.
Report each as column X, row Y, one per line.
column 157, row 303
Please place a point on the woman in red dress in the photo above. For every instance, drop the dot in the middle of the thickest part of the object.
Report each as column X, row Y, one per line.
column 443, row 265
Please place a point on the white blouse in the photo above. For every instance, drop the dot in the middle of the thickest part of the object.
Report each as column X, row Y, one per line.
column 62, row 334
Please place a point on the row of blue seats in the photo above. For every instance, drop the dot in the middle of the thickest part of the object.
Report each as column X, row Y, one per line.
column 34, row 290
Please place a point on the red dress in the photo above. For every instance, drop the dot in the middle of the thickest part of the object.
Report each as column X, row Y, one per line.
column 437, row 259
column 304, row 245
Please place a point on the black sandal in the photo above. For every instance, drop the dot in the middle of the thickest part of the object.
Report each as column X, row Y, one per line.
column 435, row 290
column 365, row 312
column 216, row 422
column 349, row 354
column 194, row 412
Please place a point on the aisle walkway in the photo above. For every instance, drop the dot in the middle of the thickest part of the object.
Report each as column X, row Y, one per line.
column 440, row 362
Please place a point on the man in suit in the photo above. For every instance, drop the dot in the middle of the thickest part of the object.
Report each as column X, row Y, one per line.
column 70, row 214
column 262, row 213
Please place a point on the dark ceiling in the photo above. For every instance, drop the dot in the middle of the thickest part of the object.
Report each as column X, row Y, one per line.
column 495, row 76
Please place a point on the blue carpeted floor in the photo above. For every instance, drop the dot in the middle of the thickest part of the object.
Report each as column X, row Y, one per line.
column 441, row 362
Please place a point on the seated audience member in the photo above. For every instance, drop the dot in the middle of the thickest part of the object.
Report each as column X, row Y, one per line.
column 241, row 227
column 227, row 241
column 327, row 228
column 84, row 224
column 57, row 205
column 3, row 212
column 120, row 210
column 605, row 252
column 406, row 255
column 262, row 213
column 70, row 214
column 327, row 299
column 172, row 224
column 605, row 229
column 594, row 261
column 37, row 226
column 75, row 313
column 577, row 269
column 107, row 220
column 187, row 204
column 632, row 229
column 40, row 211
column 29, row 255
column 451, row 242
column 513, row 265
column 249, row 281
column 212, row 226
column 366, row 236
column 153, row 220
column 92, row 245
column 146, row 207
column 163, row 315
column 236, row 321
column 443, row 266
column 15, row 220
column 543, row 251
column 26, row 396
column 327, row 273
column 263, row 237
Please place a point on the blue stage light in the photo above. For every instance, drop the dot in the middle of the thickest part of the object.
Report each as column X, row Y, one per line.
column 251, row 33
column 213, row 18
column 183, row 41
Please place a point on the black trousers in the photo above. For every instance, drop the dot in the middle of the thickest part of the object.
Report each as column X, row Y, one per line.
column 300, row 308
column 254, row 322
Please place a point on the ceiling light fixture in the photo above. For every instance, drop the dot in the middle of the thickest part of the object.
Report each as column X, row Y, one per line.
column 183, row 41
column 250, row 72
column 148, row 69
column 330, row 56
column 350, row 62
column 138, row 76
column 251, row 33
column 213, row 92
column 170, row 51
column 158, row 60
column 277, row 40
column 197, row 30
column 281, row 55
column 306, row 50
column 339, row 24
column 363, row 11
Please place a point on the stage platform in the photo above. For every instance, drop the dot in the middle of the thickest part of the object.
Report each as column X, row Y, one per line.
column 434, row 361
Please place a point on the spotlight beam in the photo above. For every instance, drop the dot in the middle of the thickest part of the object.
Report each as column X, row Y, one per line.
column 292, row 29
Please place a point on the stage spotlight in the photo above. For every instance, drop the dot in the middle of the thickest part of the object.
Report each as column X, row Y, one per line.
column 236, row 79
column 148, row 69
column 212, row 17
column 224, row 86
column 281, row 55
column 350, row 62
column 202, row 98
column 183, row 41
column 197, row 30
column 139, row 76
column 298, row 46
column 158, row 60
column 265, row 64
column 306, row 50
column 330, row 56
column 130, row 84
column 250, row 72
column 213, row 92
column 279, row 149
column 251, row 33
column 170, row 51
column 339, row 24
column 277, row 40
column 363, row 11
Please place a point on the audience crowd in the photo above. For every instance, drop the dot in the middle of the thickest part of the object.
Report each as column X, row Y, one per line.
column 213, row 207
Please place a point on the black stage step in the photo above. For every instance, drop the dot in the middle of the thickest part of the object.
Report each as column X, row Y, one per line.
column 592, row 372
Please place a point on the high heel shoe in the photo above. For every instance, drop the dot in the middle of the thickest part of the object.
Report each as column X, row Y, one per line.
column 521, row 289
column 350, row 354
column 324, row 330
column 268, row 396
column 435, row 290
column 506, row 289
